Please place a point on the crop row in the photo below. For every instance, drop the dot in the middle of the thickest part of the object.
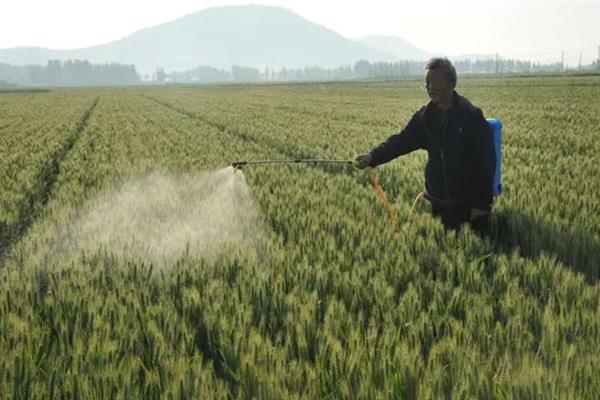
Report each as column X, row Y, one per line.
column 36, row 133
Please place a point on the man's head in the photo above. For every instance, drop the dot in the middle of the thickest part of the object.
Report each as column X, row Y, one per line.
column 440, row 80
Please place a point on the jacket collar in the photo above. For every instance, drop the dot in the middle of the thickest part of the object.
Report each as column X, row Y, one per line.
column 459, row 104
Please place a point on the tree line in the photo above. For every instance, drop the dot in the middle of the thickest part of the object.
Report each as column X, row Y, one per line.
column 82, row 72
column 360, row 70
column 70, row 72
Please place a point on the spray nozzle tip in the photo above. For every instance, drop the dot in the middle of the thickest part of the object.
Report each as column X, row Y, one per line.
column 238, row 165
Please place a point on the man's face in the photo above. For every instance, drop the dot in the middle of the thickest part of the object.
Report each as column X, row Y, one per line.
column 439, row 87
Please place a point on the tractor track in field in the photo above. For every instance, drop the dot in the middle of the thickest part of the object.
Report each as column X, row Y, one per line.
column 34, row 203
column 245, row 136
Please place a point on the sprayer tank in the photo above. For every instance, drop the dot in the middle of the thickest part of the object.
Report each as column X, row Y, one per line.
column 496, row 126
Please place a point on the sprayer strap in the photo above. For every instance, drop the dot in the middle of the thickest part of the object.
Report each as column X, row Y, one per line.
column 442, row 202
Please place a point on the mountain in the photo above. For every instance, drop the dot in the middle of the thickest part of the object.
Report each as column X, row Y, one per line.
column 399, row 48
column 220, row 37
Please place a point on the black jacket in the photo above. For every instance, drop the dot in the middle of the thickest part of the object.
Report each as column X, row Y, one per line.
column 460, row 144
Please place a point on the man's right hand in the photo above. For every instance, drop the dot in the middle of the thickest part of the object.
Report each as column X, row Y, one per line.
column 362, row 161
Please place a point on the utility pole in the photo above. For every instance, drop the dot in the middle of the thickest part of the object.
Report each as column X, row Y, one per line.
column 497, row 64
column 580, row 59
column 562, row 61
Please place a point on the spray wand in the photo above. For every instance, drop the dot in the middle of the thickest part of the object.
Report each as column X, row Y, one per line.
column 241, row 164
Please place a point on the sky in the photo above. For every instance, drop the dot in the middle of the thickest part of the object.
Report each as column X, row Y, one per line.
column 532, row 30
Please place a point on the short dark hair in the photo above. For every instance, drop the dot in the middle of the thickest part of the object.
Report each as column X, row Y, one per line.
column 445, row 65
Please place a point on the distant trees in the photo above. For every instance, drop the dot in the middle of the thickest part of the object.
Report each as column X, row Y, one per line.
column 206, row 74
column 200, row 74
column 4, row 84
column 78, row 72
column 244, row 74
column 160, row 75
column 362, row 69
column 71, row 72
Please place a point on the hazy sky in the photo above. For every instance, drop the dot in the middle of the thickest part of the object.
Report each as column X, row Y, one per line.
column 535, row 29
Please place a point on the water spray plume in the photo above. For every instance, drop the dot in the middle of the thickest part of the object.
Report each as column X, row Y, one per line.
column 160, row 218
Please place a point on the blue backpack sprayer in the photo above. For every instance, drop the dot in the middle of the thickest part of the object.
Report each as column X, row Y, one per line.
column 494, row 123
column 496, row 126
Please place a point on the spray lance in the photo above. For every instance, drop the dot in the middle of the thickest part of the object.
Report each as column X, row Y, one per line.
column 239, row 165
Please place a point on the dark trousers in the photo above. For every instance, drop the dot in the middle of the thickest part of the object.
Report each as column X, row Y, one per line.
column 454, row 216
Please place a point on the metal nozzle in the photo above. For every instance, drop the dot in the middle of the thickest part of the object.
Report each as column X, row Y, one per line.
column 238, row 165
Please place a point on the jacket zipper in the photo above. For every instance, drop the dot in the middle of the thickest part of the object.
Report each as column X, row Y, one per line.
column 444, row 158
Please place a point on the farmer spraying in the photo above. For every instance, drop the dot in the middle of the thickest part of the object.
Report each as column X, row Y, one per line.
column 460, row 171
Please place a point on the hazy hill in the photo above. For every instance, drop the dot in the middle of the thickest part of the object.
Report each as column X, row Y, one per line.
column 246, row 35
column 399, row 48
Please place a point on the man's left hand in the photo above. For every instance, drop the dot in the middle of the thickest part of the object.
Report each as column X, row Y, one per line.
column 478, row 212
column 362, row 161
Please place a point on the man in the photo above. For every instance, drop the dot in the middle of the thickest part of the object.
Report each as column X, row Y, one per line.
column 459, row 142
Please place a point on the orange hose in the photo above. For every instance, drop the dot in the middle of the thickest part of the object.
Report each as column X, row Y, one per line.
column 384, row 199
